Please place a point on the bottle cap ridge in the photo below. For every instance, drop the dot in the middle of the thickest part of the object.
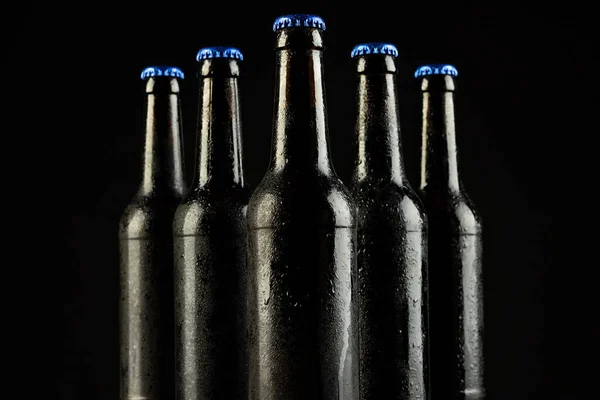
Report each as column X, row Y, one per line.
column 436, row 69
column 374, row 48
column 151, row 72
column 219, row 52
column 299, row 20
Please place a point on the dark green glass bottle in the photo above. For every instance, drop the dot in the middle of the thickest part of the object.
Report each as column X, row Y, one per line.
column 392, row 240
column 455, row 247
column 146, row 246
column 301, row 240
column 210, row 244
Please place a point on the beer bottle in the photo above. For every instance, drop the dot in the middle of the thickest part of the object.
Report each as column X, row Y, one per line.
column 209, row 232
column 455, row 247
column 301, row 240
column 392, row 240
column 146, row 246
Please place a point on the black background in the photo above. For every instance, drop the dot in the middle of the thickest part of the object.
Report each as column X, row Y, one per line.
column 519, row 105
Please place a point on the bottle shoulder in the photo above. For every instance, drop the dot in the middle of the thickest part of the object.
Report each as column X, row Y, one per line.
column 214, row 195
column 312, row 198
column 389, row 203
column 202, row 208
column 455, row 208
column 148, row 215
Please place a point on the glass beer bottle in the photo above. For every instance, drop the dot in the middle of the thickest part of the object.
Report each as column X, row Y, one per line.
column 455, row 247
column 146, row 246
column 301, row 240
column 210, row 244
column 392, row 240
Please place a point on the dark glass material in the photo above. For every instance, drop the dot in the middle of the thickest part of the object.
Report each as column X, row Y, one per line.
column 210, row 248
column 146, row 248
column 301, row 242
column 455, row 249
column 392, row 241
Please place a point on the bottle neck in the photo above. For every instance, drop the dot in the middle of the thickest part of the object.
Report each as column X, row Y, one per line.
column 300, row 120
column 439, row 160
column 378, row 145
column 162, row 161
column 219, row 126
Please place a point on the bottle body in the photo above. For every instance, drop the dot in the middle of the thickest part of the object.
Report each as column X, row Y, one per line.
column 210, row 295
column 146, row 301
column 301, row 241
column 210, row 238
column 455, row 253
column 302, row 308
column 146, row 252
column 392, row 244
column 393, row 293
column 456, row 300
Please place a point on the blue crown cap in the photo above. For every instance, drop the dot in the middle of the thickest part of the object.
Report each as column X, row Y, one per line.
column 374, row 48
column 436, row 69
column 152, row 72
column 219, row 52
column 301, row 20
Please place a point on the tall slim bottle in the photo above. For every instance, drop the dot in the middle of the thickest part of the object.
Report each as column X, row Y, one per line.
column 301, row 240
column 455, row 247
column 392, row 240
column 146, row 246
column 210, row 236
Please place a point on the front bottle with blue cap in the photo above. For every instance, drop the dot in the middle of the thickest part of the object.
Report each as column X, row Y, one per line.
column 455, row 246
column 392, row 239
column 209, row 233
column 146, row 244
column 301, row 240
